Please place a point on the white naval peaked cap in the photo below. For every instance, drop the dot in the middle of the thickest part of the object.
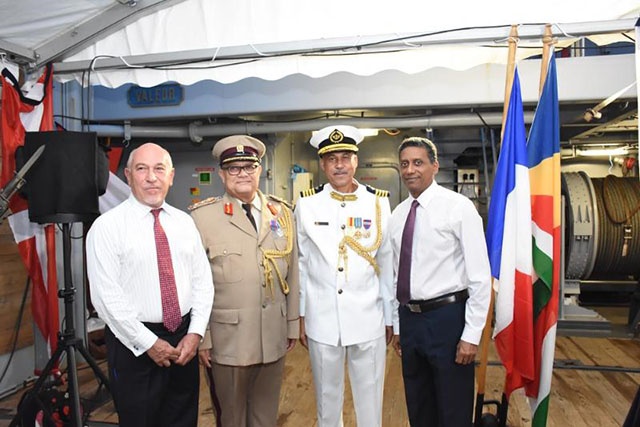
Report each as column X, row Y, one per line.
column 336, row 138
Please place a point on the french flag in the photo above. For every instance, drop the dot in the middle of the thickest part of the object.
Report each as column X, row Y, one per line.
column 510, row 251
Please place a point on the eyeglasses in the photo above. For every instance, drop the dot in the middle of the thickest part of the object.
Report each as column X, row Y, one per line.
column 235, row 170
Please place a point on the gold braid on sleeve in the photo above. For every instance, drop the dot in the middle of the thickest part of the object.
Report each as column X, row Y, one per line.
column 361, row 250
column 270, row 256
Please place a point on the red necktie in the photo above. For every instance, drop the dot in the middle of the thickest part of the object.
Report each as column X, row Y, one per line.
column 171, row 316
column 403, row 292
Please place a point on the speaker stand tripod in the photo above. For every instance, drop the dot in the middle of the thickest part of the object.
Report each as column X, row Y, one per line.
column 68, row 343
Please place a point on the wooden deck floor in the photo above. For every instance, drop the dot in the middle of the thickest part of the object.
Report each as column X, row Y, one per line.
column 593, row 384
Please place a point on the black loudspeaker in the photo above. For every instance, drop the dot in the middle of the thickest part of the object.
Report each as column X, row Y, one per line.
column 64, row 184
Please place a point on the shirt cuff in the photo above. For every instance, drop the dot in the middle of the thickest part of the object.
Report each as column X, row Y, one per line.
column 144, row 342
column 471, row 336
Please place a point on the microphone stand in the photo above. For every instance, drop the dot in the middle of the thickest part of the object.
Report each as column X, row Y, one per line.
column 16, row 183
column 68, row 342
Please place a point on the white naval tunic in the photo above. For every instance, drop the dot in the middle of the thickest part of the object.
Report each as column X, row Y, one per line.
column 342, row 299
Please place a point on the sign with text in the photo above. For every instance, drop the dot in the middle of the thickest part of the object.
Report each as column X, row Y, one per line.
column 158, row 96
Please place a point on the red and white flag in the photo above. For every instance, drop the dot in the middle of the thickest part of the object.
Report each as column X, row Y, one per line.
column 30, row 109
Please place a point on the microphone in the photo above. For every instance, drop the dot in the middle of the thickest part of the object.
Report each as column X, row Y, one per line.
column 17, row 182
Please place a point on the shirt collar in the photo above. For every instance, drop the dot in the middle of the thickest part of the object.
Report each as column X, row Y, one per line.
column 427, row 194
column 330, row 188
column 140, row 209
column 255, row 203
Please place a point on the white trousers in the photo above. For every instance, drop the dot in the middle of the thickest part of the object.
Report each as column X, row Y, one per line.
column 366, row 377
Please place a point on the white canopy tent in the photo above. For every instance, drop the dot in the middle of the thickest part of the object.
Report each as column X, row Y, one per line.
column 150, row 41
column 279, row 57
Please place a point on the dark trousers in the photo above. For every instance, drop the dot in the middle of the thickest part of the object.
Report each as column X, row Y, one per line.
column 438, row 391
column 147, row 395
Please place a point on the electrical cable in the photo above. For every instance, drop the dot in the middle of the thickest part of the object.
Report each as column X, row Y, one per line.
column 356, row 49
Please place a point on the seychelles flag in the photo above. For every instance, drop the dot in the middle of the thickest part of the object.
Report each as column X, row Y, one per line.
column 509, row 245
column 543, row 150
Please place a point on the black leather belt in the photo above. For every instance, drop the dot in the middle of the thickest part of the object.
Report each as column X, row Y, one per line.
column 159, row 327
column 420, row 306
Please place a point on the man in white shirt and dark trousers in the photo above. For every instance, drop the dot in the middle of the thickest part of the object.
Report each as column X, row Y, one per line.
column 443, row 285
column 346, row 281
column 151, row 283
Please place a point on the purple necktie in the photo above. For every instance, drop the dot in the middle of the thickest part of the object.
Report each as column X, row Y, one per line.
column 171, row 316
column 403, row 292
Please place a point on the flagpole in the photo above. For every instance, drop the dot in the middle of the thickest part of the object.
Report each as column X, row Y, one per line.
column 543, row 149
column 547, row 49
column 511, row 67
column 481, row 374
column 503, row 407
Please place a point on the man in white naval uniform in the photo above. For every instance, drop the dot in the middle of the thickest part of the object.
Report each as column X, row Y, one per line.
column 346, row 281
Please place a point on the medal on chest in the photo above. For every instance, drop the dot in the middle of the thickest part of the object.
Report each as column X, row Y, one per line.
column 358, row 227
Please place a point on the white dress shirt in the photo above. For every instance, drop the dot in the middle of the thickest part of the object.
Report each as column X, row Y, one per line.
column 449, row 253
column 123, row 271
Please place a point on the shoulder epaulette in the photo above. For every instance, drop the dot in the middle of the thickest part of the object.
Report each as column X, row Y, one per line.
column 279, row 200
column 205, row 202
column 377, row 191
column 311, row 191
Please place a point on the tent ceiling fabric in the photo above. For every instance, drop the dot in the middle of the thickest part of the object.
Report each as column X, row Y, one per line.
column 33, row 34
column 253, row 38
column 30, row 23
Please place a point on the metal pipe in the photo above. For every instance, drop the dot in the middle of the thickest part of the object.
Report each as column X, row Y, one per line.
column 194, row 131
column 577, row 365
column 608, row 282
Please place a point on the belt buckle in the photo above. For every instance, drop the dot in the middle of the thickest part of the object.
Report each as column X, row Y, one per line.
column 414, row 308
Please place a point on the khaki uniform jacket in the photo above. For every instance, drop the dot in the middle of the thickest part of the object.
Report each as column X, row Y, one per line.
column 252, row 318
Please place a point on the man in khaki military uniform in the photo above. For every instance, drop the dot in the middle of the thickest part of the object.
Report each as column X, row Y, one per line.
column 250, row 240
